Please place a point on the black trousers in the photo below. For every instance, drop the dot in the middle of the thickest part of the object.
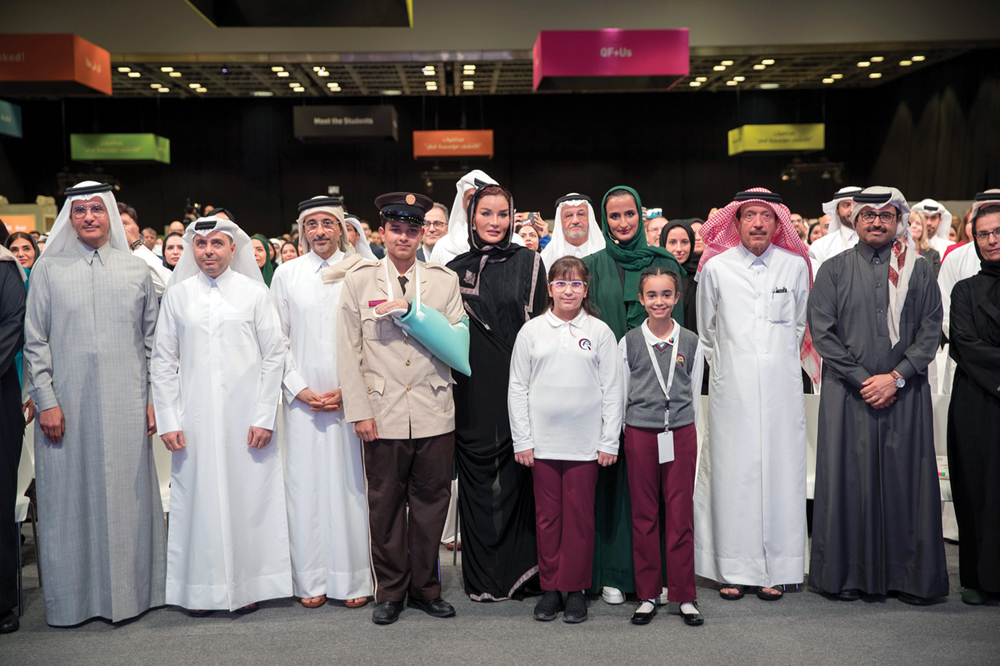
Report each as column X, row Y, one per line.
column 11, row 441
column 401, row 473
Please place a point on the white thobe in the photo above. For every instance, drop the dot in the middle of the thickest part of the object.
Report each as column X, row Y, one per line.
column 750, row 495
column 941, row 244
column 831, row 245
column 961, row 263
column 216, row 368
column 157, row 271
column 324, row 476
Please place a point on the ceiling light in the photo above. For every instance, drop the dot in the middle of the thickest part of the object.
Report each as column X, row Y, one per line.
column 701, row 79
column 759, row 67
column 836, row 76
column 719, row 68
column 905, row 63
column 282, row 73
column 864, row 63
column 201, row 90
column 154, row 85
column 768, row 61
column 769, row 86
column 294, row 84
column 917, row 58
column 322, row 72
column 428, row 70
column 163, row 90
column 299, row 89
column 124, row 70
column 875, row 75
column 469, row 68
column 726, row 63
column 828, row 80
column 134, row 75
column 277, row 68
column 333, row 84
column 392, row 92
column 739, row 78
column 876, row 58
column 731, row 83
column 695, row 84
column 316, row 69
column 260, row 93
column 166, row 69
column 175, row 74
column 194, row 85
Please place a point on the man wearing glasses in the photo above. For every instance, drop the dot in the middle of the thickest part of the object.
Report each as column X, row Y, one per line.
column 88, row 339
column 875, row 318
column 435, row 228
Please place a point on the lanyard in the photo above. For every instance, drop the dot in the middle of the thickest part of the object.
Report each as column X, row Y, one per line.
column 670, row 375
column 416, row 278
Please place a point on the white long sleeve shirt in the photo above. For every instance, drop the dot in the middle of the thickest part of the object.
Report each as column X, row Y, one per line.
column 565, row 392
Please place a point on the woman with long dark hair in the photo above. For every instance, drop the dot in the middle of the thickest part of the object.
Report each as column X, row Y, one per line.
column 502, row 286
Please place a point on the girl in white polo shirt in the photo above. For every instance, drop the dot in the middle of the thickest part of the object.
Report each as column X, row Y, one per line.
column 565, row 400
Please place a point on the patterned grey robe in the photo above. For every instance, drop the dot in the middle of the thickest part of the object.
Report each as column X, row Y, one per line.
column 88, row 339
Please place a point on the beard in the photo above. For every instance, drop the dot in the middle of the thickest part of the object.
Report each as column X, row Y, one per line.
column 845, row 221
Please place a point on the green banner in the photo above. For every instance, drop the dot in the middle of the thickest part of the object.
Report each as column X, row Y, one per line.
column 117, row 147
column 10, row 119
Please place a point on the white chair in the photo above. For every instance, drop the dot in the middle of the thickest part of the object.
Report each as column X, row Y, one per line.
column 25, row 474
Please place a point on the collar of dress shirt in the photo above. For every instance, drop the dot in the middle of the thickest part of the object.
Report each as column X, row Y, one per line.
column 749, row 258
column 652, row 340
column 88, row 252
column 868, row 253
column 222, row 281
column 317, row 261
column 556, row 322
column 847, row 235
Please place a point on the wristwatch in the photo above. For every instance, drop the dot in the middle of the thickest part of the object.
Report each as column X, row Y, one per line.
column 134, row 244
column 900, row 382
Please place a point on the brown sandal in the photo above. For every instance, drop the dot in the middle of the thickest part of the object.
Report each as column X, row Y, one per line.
column 313, row 602
column 356, row 603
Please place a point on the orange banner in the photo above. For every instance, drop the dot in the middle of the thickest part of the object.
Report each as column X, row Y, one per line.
column 56, row 59
column 453, row 143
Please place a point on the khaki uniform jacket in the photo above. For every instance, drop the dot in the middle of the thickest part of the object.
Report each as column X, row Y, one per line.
column 384, row 373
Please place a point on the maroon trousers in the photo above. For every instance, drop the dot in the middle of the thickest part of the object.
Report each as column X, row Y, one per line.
column 647, row 479
column 564, row 514
column 401, row 473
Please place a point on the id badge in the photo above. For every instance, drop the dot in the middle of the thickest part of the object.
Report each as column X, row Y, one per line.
column 665, row 444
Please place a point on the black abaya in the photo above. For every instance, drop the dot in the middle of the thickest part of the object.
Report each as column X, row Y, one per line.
column 12, row 304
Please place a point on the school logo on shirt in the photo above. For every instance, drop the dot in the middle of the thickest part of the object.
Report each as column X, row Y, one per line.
column 585, row 344
column 680, row 360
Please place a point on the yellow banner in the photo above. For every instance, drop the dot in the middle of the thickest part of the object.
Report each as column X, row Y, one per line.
column 757, row 138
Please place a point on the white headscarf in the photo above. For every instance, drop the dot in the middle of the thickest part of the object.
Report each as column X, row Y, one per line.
column 456, row 241
column 335, row 211
column 830, row 207
column 362, row 247
column 63, row 234
column 903, row 250
column 559, row 247
column 244, row 260
column 931, row 207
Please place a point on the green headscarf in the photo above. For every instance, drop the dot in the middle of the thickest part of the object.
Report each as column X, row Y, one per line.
column 619, row 307
column 267, row 270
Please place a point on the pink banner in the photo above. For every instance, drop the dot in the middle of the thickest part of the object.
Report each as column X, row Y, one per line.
column 610, row 59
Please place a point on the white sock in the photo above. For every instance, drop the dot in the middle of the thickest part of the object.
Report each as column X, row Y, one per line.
column 645, row 606
column 688, row 608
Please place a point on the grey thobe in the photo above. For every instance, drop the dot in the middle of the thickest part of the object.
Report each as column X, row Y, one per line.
column 877, row 511
column 88, row 339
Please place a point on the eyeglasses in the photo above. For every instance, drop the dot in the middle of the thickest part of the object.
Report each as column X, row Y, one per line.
column 97, row 210
column 575, row 285
column 886, row 216
column 437, row 224
column 313, row 225
column 984, row 236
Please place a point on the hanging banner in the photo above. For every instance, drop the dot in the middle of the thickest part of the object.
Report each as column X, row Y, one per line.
column 333, row 123
column 53, row 64
column 612, row 59
column 453, row 143
column 772, row 138
column 119, row 147
column 10, row 119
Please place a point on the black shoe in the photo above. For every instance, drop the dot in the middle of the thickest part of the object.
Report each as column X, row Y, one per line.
column 849, row 595
column 387, row 612
column 913, row 599
column 435, row 607
column 646, row 617
column 576, row 608
column 9, row 622
column 548, row 608
column 693, row 619
column 970, row 595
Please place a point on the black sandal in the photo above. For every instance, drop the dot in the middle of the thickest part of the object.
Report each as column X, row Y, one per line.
column 729, row 596
column 761, row 594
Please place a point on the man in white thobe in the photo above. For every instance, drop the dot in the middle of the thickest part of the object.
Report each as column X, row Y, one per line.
column 324, row 475
column 938, row 220
column 159, row 273
column 577, row 232
column 217, row 366
column 841, row 234
column 88, row 337
column 750, row 497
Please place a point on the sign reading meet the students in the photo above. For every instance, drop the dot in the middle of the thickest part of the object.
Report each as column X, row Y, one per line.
column 333, row 123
